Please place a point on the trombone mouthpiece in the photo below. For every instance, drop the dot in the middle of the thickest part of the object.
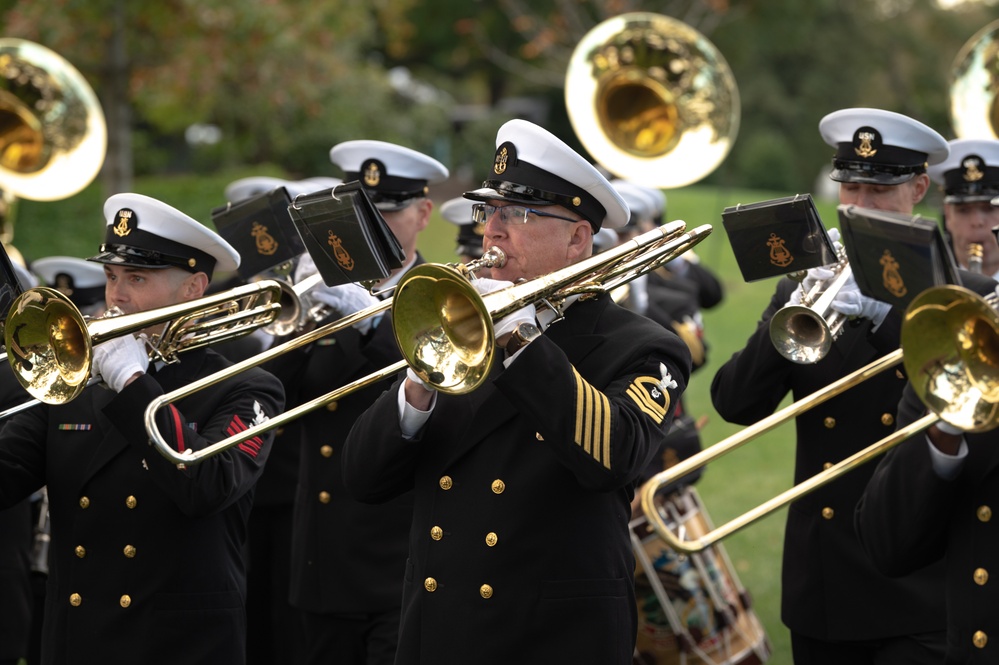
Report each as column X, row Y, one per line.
column 494, row 257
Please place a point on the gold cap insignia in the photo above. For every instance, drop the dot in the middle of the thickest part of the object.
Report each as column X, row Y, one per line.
column 340, row 252
column 866, row 142
column 64, row 284
column 974, row 168
column 372, row 174
column 126, row 222
column 499, row 164
column 266, row 244
column 780, row 256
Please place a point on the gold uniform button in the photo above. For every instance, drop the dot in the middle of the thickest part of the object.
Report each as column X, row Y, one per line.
column 981, row 576
column 446, row 482
column 279, row 431
column 980, row 639
column 829, row 422
column 828, row 513
column 125, row 601
column 491, row 539
column 486, row 591
column 324, row 497
column 131, row 502
column 827, row 465
column 430, row 584
column 129, row 551
column 887, row 419
column 84, row 502
column 326, row 451
column 899, row 375
column 81, row 551
column 75, row 599
column 332, row 406
column 984, row 513
column 498, row 486
column 537, row 435
column 436, row 533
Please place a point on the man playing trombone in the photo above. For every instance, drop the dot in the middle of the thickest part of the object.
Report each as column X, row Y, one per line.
column 145, row 556
column 838, row 607
column 519, row 549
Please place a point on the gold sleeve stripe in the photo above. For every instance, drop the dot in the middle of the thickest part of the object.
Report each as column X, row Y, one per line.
column 593, row 422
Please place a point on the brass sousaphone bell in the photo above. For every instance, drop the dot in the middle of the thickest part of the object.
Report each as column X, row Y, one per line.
column 974, row 86
column 53, row 136
column 652, row 100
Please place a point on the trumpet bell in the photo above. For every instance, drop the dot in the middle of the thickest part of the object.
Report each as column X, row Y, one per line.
column 48, row 346
column 800, row 334
column 443, row 327
column 652, row 100
column 951, row 357
column 53, row 135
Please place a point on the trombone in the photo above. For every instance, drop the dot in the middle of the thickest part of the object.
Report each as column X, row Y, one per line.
column 50, row 343
column 444, row 328
column 949, row 351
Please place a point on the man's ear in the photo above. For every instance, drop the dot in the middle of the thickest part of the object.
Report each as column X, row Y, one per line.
column 195, row 286
column 425, row 206
column 580, row 242
column 920, row 185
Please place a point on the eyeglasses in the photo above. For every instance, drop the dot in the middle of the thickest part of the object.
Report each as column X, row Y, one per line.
column 512, row 214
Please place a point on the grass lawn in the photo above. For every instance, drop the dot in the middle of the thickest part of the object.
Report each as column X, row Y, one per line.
column 729, row 487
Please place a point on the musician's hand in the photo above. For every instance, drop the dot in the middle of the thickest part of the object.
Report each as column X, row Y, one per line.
column 812, row 277
column 851, row 302
column 305, row 267
column 346, row 299
column 118, row 361
column 506, row 325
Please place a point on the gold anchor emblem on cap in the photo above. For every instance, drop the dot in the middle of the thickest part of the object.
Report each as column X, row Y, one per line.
column 121, row 229
column 266, row 244
column 971, row 171
column 340, row 252
column 865, row 149
column 499, row 166
column 372, row 176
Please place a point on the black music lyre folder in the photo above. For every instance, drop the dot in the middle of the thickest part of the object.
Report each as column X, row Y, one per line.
column 346, row 235
column 261, row 230
column 895, row 256
column 778, row 236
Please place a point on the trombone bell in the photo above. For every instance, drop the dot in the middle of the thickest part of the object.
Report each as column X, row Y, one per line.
column 443, row 329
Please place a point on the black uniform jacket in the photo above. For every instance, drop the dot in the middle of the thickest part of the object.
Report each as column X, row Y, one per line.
column 909, row 517
column 146, row 564
column 830, row 589
column 519, row 550
column 347, row 556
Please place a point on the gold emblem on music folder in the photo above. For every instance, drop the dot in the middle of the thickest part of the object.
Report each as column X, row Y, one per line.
column 372, row 174
column 342, row 255
column 890, row 276
column 123, row 227
column 866, row 149
column 499, row 166
column 266, row 244
column 971, row 171
column 779, row 254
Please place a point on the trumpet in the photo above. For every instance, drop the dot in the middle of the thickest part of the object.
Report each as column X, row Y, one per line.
column 444, row 328
column 50, row 343
column 804, row 333
column 949, row 351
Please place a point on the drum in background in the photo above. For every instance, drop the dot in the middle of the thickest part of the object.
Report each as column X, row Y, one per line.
column 692, row 608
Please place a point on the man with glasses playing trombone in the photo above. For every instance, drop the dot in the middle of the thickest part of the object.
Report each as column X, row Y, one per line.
column 519, row 549
column 145, row 556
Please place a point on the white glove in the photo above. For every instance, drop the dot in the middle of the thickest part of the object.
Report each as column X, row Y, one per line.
column 346, row 299
column 851, row 302
column 116, row 360
column 638, row 293
column 506, row 325
column 305, row 267
column 812, row 276
column 415, row 378
column 834, row 236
